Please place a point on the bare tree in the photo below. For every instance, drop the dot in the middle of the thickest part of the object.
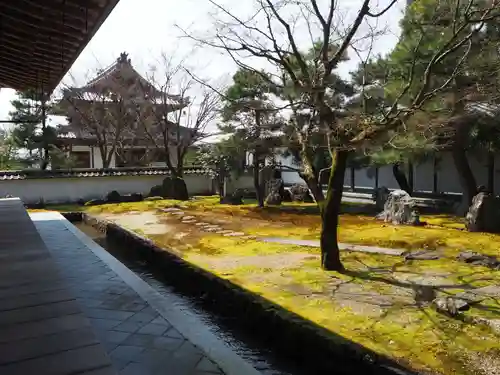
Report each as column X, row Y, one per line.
column 108, row 110
column 181, row 110
column 272, row 35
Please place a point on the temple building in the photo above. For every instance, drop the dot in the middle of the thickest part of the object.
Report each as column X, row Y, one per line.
column 119, row 119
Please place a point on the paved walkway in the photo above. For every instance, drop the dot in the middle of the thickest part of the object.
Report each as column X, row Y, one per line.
column 342, row 246
column 42, row 328
column 142, row 332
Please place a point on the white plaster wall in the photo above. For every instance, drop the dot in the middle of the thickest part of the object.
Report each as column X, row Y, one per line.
column 423, row 176
column 62, row 190
column 448, row 181
column 364, row 178
column 386, row 177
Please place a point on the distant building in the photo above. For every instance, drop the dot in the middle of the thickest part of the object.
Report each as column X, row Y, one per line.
column 135, row 147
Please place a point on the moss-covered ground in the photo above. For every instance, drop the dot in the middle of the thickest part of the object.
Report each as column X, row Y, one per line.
column 381, row 302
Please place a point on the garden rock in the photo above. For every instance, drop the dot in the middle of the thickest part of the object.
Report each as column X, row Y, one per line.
column 135, row 197
column 95, row 202
column 450, row 305
column 300, row 193
column 400, row 208
column 380, row 196
column 235, row 198
column 179, row 189
column 483, row 214
column 276, row 189
column 479, row 259
column 188, row 218
column 113, row 197
column 156, row 191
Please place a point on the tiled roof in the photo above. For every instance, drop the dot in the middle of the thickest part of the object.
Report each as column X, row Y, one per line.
column 82, row 173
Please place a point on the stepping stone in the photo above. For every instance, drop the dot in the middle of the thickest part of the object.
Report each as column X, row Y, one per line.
column 170, row 209
column 211, row 226
column 249, row 238
column 422, row 255
column 224, row 231
column 178, row 213
column 191, row 221
column 188, row 218
column 234, row 234
column 211, row 229
column 201, row 223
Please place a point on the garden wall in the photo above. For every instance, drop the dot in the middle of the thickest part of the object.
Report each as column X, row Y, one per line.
column 71, row 187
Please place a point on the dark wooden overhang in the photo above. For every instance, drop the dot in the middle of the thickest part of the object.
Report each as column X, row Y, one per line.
column 40, row 40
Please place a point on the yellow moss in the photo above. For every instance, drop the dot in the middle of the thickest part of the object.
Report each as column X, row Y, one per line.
column 412, row 334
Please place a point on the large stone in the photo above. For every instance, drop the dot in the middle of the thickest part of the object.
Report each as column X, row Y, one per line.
column 156, row 191
column 113, row 197
column 484, row 214
column 400, row 208
column 276, row 189
column 235, row 198
column 380, row 196
column 300, row 193
column 134, row 197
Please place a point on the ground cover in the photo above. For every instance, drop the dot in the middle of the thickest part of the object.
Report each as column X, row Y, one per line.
column 383, row 302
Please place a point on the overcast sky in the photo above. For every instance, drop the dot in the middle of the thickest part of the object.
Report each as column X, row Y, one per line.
column 147, row 28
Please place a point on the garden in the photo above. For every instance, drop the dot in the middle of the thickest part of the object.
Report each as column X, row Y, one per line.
column 421, row 295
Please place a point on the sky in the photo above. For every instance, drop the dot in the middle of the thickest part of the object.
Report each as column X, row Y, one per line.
column 147, row 29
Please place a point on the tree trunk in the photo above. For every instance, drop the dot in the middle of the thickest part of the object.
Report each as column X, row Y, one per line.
column 401, row 179
column 316, row 189
column 259, row 191
column 465, row 174
column 491, row 172
column 330, row 210
column 256, row 181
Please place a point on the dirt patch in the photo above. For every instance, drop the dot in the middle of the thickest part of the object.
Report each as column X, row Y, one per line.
column 146, row 222
column 274, row 262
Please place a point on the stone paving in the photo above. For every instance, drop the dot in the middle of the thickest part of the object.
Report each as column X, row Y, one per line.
column 42, row 328
column 136, row 337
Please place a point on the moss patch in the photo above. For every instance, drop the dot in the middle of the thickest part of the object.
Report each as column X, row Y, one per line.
column 382, row 302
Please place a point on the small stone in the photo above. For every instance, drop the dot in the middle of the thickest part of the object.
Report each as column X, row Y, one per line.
column 188, row 221
column 201, row 224
column 479, row 259
column 422, row 255
column 188, row 218
column 177, row 213
column 234, row 234
column 248, row 237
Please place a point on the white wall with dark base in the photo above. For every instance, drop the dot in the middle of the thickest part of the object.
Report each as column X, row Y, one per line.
column 63, row 190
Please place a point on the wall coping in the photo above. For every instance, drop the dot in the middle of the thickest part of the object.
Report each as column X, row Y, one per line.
column 92, row 172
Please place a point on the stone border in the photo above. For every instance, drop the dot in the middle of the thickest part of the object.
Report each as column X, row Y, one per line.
column 286, row 332
column 187, row 324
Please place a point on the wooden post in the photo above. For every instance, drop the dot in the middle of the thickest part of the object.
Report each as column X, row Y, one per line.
column 435, row 174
